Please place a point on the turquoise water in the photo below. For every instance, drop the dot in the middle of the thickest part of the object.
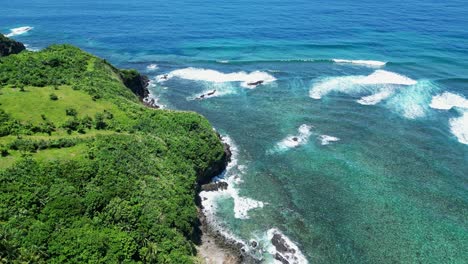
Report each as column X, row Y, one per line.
column 392, row 184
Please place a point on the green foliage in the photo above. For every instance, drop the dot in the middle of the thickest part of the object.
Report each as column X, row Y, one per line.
column 128, row 196
column 71, row 111
column 53, row 97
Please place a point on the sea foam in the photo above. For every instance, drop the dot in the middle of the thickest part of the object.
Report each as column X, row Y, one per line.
column 447, row 101
column 326, row 139
column 459, row 127
column 207, row 75
column 232, row 175
column 18, row 31
column 369, row 63
column 359, row 83
column 293, row 141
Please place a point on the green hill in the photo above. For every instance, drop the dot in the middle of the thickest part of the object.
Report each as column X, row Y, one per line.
column 88, row 174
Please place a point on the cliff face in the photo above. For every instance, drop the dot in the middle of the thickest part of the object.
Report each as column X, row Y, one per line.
column 9, row 46
column 136, row 82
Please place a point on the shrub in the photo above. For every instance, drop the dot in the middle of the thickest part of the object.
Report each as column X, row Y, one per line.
column 53, row 97
column 71, row 112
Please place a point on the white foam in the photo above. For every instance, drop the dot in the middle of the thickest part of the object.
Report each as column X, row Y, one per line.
column 293, row 141
column 370, row 63
column 375, row 98
column 294, row 257
column 196, row 74
column 359, row 83
column 223, row 61
column 447, row 101
column 152, row 67
column 18, row 31
column 242, row 205
column 385, row 77
column 153, row 97
column 325, row 139
column 459, row 127
column 413, row 101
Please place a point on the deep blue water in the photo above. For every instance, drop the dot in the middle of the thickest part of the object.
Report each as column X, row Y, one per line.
column 392, row 189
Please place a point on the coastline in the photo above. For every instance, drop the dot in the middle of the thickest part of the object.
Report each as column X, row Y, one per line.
column 211, row 245
column 214, row 247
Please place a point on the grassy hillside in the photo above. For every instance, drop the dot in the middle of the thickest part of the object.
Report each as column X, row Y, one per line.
column 87, row 173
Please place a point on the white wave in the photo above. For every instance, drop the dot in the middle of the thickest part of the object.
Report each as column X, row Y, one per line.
column 370, row 63
column 18, row 31
column 293, row 256
column 152, row 67
column 153, row 98
column 447, row 101
column 413, row 101
column 242, row 205
column 375, row 98
column 223, row 61
column 358, row 83
column 325, row 139
column 196, row 74
column 459, row 127
column 293, row 141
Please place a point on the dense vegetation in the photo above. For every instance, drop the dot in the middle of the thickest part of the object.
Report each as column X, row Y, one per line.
column 87, row 173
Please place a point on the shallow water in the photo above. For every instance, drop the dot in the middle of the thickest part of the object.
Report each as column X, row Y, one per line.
column 391, row 188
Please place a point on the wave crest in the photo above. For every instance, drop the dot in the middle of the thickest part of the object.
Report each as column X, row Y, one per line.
column 447, row 101
column 459, row 127
column 358, row 83
column 248, row 80
column 369, row 63
column 18, row 31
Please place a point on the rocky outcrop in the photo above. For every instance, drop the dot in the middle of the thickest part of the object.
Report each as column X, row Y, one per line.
column 136, row 82
column 9, row 46
column 214, row 186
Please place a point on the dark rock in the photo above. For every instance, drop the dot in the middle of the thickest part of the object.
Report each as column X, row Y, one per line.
column 253, row 244
column 136, row 82
column 281, row 258
column 281, row 245
column 9, row 46
column 211, row 93
column 255, row 83
column 295, row 139
column 214, row 186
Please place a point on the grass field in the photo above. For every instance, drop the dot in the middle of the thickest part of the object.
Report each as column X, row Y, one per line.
column 39, row 103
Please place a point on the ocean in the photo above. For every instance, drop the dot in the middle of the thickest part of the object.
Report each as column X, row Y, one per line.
column 348, row 120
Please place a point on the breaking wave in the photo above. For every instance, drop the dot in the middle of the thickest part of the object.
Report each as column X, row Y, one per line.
column 370, row 63
column 358, row 83
column 18, row 31
column 447, row 101
column 458, row 125
column 247, row 80
column 293, row 141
